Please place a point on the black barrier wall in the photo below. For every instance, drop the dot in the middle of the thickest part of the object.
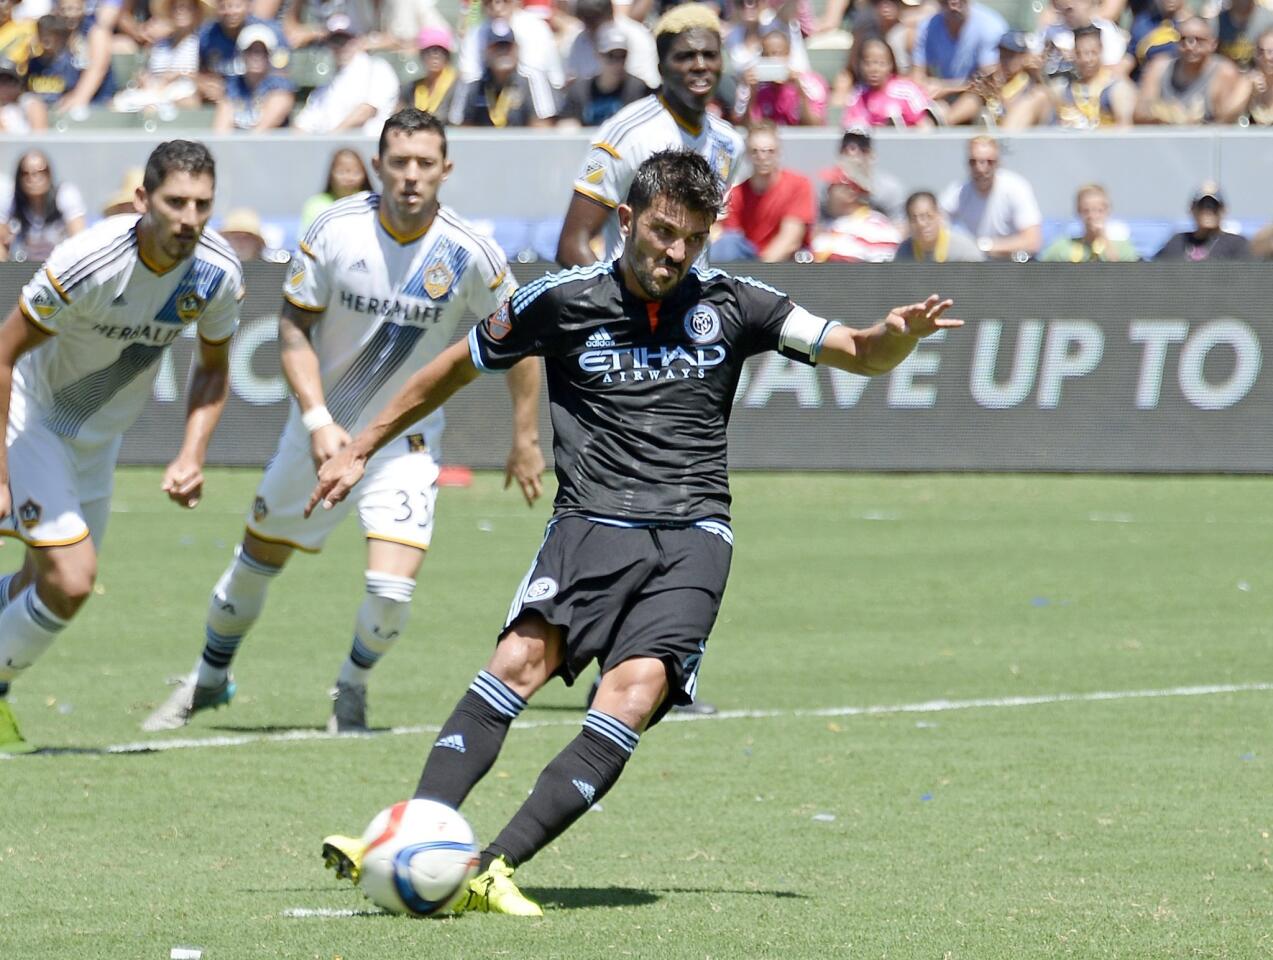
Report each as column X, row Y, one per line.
column 1116, row 367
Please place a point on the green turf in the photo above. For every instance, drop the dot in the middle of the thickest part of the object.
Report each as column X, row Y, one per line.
column 1136, row 828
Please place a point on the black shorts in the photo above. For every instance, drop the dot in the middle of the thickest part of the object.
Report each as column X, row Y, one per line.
column 624, row 592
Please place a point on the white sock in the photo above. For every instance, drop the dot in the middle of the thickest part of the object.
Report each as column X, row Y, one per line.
column 27, row 629
column 381, row 618
column 235, row 604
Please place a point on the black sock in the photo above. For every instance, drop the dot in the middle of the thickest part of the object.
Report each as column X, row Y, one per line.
column 470, row 741
column 576, row 778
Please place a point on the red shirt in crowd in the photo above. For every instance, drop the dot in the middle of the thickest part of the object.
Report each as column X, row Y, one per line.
column 759, row 215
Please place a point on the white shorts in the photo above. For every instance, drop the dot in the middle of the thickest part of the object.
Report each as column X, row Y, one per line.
column 61, row 490
column 395, row 498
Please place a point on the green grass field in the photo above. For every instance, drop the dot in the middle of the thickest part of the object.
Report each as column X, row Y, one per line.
column 1126, row 826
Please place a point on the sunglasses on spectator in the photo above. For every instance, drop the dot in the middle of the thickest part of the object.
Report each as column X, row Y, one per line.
column 616, row 56
column 37, row 172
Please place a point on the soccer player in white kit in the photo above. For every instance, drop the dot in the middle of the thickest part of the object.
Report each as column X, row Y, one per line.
column 78, row 358
column 374, row 293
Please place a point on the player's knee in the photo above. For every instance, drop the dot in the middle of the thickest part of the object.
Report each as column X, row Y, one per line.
column 528, row 655
column 632, row 691
column 64, row 587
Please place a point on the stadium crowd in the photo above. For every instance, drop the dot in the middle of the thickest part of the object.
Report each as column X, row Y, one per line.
column 327, row 66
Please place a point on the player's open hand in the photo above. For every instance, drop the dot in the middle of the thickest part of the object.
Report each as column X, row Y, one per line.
column 336, row 478
column 923, row 319
column 183, row 482
column 326, row 442
column 526, row 466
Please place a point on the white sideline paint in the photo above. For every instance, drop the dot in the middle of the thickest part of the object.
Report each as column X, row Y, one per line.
column 306, row 913
column 926, row 706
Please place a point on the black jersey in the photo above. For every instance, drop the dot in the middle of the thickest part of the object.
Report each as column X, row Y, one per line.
column 641, row 392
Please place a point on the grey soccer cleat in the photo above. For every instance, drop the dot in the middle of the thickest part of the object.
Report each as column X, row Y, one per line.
column 349, row 709
column 187, row 700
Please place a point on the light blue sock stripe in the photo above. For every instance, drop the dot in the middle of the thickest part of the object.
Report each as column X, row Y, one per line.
column 264, row 569
column 619, row 733
column 363, row 655
column 5, row 582
column 497, row 693
column 40, row 615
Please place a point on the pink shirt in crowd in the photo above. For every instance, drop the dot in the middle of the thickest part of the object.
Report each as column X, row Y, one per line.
column 780, row 102
column 900, row 102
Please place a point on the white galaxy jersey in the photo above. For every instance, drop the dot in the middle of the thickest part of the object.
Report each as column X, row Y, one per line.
column 389, row 305
column 111, row 318
column 632, row 136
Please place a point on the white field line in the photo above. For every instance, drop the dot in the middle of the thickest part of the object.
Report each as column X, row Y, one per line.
column 307, row 913
column 926, row 706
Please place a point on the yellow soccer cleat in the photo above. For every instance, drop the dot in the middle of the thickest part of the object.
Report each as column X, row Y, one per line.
column 11, row 739
column 344, row 855
column 494, row 892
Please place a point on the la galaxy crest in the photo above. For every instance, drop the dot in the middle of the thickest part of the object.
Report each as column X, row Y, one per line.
column 190, row 306
column 29, row 513
column 722, row 162
column 438, row 279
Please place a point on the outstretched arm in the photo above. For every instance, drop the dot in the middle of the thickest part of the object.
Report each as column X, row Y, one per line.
column 525, row 461
column 427, row 390
column 880, row 348
column 209, row 387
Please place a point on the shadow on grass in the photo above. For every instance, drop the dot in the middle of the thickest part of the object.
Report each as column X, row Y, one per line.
column 266, row 729
column 576, row 898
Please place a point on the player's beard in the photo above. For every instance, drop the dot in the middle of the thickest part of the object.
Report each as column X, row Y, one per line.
column 652, row 286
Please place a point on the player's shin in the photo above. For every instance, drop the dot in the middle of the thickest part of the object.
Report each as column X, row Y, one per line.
column 381, row 620
column 576, row 778
column 27, row 629
column 236, row 602
column 470, row 740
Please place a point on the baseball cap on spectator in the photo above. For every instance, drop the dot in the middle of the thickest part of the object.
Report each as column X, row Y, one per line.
column 848, row 174
column 341, row 24
column 856, row 135
column 257, row 33
column 1015, row 41
column 1210, row 190
column 243, row 220
column 435, row 37
column 497, row 31
column 610, row 38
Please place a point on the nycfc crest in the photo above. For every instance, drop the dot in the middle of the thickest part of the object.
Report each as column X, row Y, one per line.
column 437, row 280
column 541, row 589
column 189, row 306
column 702, row 323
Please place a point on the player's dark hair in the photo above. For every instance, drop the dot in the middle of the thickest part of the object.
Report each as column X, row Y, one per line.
column 919, row 195
column 186, row 156
column 682, row 19
column 1091, row 30
column 410, row 120
column 681, row 176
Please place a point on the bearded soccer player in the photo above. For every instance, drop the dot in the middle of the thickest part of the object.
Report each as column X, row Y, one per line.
column 643, row 359
column 688, row 40
column 78, row 358
column 374, row 293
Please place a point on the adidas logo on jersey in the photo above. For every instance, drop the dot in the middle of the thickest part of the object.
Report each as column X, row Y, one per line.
column 586, row 790
column 454, row 742
column 360, row 266
column 599, row 338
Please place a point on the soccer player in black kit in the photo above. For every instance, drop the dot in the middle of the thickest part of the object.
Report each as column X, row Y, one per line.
column 643, row 357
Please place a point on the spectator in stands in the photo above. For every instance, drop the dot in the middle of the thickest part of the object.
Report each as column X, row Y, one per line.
column 1196, row 85
column 404, row 20
column 853, row 233
column 436, row 87
column 771, row 216
column 748, row 22
column 361, row 94
column 857, row 152
column 508, row 93
column 882, row 98
column 954, row 45
column 346, row 175
column 1097, row 242
column 20, row 112
column 884, row 19
column 305, row 22
column 1260, row 106
column 259, row 98
column 89, row 43
column 996, row 206
column 1207, row 240
column 994, row 93
column 931, row 238
column 40, row 213
column 242, row 231
column 1155, row 31
column 219, row 46
column 172, row 63
column 773, row 88
column 17, row 37
column 583, row 55
column 1092, row 96
column 536, row 46
column 1262, row 244
column 592, row 102
column 1058, row 39
column 52, row 73
column 1238, row 29
column 124, row 200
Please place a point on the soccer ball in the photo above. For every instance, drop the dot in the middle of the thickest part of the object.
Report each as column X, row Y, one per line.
column 419, row 859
